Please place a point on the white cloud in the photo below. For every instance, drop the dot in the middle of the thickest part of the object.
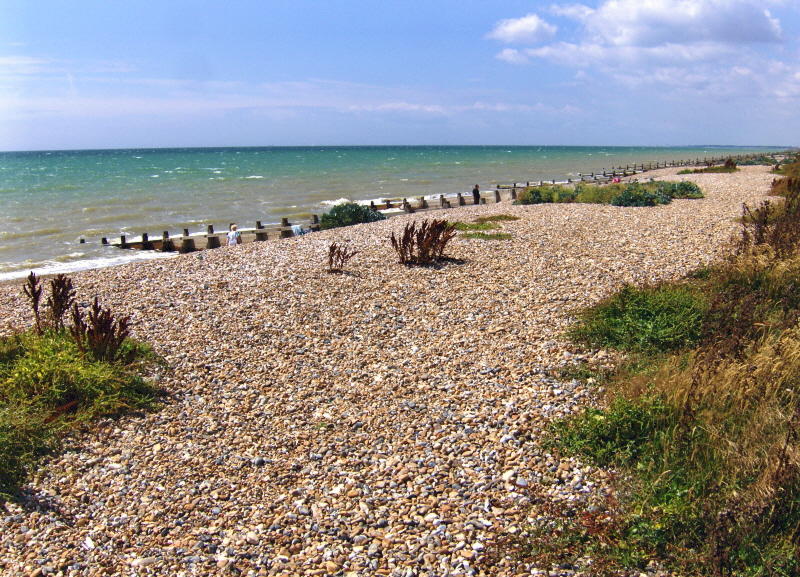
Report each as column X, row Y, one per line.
column 574, row 11
column 529, row 29
column 512, row 55
column 708, row 47
column 657, row 22
column 647, row 32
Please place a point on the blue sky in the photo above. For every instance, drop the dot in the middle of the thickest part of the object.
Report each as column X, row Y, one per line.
column 106, row 74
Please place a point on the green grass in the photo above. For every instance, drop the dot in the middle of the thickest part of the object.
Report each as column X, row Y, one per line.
column 496, row 218
column 651, row 319
column 488, row 236
column 471, row 226
column 47, row 386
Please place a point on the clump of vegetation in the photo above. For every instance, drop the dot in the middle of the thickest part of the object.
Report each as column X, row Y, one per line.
column 619, row 194
column 651, row 319
column 705, row 426
column 496, row 218
column 348, row 214
column 684, row 189
column 423, row 243
column 636, row 194
column 54, row 377
column 338, row 256
column 472, row 226
column 488, row 236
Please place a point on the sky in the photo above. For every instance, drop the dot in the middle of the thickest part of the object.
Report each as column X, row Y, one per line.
column 105, row 74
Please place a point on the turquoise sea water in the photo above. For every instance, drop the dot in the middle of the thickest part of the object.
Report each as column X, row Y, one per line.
column 50, row 200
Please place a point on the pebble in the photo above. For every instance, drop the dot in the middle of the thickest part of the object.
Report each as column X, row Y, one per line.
column 381, row 422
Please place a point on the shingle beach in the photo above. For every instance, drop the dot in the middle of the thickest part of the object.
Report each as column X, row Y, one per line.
column 385, row 421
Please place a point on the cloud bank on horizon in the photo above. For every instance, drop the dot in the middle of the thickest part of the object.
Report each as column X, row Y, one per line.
column 524, row 72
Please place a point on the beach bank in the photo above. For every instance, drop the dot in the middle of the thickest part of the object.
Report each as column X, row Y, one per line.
column 374, row 422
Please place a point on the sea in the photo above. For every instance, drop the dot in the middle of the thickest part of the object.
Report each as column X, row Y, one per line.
column 52, row 200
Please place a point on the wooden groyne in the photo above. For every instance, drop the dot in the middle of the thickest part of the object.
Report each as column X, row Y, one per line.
column 210, row 238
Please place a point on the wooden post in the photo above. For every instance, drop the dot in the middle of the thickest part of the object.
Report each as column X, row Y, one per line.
column 497, row 195
column 166, row 242
column 187, row 245
column 82, row 241
column 122, row 242
column 407, row 206
column 314, row 223
column 388, row 203
column 286, row 230
column 146, row 244
column 483, row 200
column 261, row 234
column 212, row 240
column 442, row 201
column 372, row 205
column 104, row 241
column 185, row 232
column 461, row 201
column 422, row 202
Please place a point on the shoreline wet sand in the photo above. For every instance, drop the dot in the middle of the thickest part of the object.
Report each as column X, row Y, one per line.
column 386, row 421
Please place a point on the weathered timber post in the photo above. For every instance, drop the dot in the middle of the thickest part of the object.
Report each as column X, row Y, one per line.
column 422, row 202
column 372, row 205
column 104, row 241
column 187, row 245
column 483, row 200
column 407, row 206
column 82, row 241
column 286, row 231
column 388, row 203
column 212, row 240
column 166, row 242
column 461, row 201
column 146, row 244
column 315, row 223
column 261, row 234
column 122, row 242
column 513, row 194
column 497, row 195
column 442, row 201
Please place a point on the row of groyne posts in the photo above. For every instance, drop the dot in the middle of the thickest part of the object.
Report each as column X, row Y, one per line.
column 190, row 242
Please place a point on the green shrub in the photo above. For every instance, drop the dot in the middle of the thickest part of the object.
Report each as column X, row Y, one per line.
column 651, row 320
column 636, row 194
column 545, row 194
column 348, row 214
column 684, row 189
column 596, row 194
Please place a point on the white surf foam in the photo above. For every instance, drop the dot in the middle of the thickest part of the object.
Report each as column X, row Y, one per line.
column 52, row 267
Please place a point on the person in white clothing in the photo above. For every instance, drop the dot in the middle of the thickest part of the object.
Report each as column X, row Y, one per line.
column 234, row 236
